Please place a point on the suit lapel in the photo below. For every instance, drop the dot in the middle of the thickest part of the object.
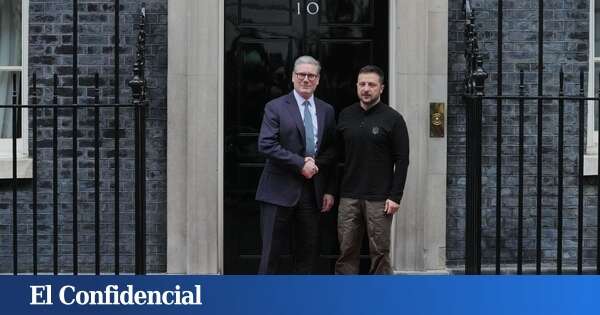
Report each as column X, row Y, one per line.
column 320, row 121
column 295, row 112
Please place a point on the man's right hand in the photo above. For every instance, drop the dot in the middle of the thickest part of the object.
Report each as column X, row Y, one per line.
column 310, row 168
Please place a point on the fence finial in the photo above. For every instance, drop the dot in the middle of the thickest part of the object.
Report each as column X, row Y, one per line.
column 473, row 95
column 475, row 75
column 138, row 82
column 467, row 7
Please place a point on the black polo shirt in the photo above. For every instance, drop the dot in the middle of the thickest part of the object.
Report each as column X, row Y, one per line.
column 375, row 146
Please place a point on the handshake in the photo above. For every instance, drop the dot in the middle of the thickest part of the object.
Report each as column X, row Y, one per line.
column 310, row 168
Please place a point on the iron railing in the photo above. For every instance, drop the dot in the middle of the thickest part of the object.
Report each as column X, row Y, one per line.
column 474, row 97
column 56, row 117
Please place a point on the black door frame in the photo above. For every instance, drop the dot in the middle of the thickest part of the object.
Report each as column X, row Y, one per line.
column 392, row 97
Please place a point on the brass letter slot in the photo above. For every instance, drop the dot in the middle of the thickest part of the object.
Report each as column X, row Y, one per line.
column 436, row 120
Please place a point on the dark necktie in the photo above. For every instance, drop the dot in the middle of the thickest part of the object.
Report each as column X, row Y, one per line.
column 309, row 130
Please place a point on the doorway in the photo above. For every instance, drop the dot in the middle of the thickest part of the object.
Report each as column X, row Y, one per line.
column 262, row 40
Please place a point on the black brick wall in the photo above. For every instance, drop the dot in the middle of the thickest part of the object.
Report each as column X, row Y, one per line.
column 565, row 44
column 50, row 48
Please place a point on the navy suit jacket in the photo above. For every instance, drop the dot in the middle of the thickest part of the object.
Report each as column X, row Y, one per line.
column 282, row 141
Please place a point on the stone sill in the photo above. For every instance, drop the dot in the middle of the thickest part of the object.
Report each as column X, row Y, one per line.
column 590, row 165
column 439, row 272
column 510, row 268
column 24, row 166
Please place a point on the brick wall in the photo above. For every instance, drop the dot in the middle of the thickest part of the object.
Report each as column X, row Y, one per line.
column 50, row 48
column 565, row 44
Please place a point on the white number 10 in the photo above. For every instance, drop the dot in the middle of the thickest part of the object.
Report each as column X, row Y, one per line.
column 312, row 8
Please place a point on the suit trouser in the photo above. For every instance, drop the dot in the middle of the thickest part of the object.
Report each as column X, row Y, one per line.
column 276, row 222
column 353, row 216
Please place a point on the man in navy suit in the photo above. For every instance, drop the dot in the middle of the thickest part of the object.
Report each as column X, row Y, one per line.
column 296, row 135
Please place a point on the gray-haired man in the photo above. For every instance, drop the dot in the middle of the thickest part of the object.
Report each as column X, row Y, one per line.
column 296, row 135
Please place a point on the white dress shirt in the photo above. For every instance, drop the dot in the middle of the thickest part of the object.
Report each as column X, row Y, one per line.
column 313, row 111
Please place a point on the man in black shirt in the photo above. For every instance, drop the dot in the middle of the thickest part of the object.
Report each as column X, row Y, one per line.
column 374, row 138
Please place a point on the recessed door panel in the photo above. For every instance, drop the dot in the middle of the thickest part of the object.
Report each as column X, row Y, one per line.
column 342, row 58
column 266, row 12
column 351, row 12
column 262, row 75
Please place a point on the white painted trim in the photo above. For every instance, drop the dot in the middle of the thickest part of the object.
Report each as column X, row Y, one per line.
column 24, row 166
column 590, row 160
column 22, row 143
column 421, row 77
column 25, row 79
column 11, row 68
column 221, row 141
column 392, row 97
column 590, row 164
column 194, row 159
column 441, row 272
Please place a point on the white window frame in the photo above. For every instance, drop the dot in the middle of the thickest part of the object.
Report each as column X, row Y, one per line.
column 6, row 144
column 590, row 164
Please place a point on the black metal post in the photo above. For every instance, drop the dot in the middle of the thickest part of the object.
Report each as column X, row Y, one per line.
column 499, row 143
column 117, row 53
column 561, row 113
column 74, row 151
column 521, row 155
column 14, row 175
column 117, row 188
column 473, row 220
column 97, row 169
column 580, row 177
column 55, row 174
column 474, row 87
column 75, row 193
column 117, row 127
column 138, row 86
column 538, row 261
column 34, row 204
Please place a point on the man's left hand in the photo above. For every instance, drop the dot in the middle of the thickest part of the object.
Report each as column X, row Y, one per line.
column 309, row 169
column 327, row 202
column 391, row 207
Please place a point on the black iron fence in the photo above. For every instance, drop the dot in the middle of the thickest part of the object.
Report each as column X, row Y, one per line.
column 99, row 126
column 474, row 98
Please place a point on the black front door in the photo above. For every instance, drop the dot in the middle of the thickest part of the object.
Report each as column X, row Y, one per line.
column 262, row 40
